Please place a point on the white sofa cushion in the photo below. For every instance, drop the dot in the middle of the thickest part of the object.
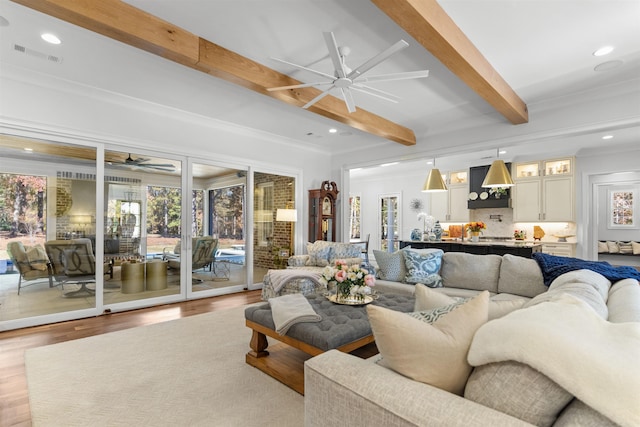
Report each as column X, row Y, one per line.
column 469, row 271
column 436, row 353
column 520, row 276
column 623, row 301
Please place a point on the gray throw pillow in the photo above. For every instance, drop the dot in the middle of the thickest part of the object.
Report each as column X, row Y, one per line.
column 517, row 390
column 391, row 265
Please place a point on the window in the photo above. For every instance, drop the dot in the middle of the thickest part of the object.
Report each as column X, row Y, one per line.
column 354, row 217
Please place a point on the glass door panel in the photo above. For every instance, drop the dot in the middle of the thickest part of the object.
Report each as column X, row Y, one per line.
column 218, row 227
column 389, row 222
column 47, row 228
column 143, row 224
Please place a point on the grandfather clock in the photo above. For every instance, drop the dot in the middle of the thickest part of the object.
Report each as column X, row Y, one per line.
column 322, row 212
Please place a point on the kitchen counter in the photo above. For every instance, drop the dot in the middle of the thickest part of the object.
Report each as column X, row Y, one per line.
column 483, row 247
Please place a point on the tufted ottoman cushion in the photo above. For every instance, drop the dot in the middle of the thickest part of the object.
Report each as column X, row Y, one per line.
column 340, row 324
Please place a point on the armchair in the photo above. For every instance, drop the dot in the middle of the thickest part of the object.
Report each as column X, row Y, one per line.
column 31, row 262
column 73, row 262
column 203, row 251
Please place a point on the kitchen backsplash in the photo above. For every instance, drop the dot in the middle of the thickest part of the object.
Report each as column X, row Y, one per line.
column 500, row 224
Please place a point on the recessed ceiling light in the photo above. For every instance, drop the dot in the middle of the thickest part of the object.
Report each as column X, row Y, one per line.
column 28, row 149
column 502, row 152
column 607, row 137
column 384, row 165
column 430, row 162
column 604, row 50
column 51, row 38
column 333, row 130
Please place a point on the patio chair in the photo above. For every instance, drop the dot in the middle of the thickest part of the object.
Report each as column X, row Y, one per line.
column 31, row 262
column 203, row 251
column 73, row 262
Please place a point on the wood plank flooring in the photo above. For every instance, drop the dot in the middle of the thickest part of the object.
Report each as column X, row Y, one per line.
column 14, row 396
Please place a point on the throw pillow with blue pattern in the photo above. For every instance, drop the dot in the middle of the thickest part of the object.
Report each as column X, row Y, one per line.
column 319, row 253
column 423, row 267
column 345, row 251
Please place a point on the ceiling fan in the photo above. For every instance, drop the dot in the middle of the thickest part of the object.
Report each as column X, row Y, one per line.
column 347, row 79
column 140, row 163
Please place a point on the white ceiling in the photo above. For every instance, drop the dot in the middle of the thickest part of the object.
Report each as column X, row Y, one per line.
column 542, row 48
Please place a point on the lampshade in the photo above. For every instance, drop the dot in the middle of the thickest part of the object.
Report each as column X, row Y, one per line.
column 434, row 182
column 498, row 176
column 287, row 215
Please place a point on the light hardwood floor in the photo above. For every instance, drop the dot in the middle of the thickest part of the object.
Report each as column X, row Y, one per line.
column 14, row 396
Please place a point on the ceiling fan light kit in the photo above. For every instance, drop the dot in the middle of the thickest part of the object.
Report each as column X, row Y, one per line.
column 347, row 80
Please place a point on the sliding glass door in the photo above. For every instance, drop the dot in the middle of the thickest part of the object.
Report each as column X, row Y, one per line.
column 48, row 258
column 218, row 229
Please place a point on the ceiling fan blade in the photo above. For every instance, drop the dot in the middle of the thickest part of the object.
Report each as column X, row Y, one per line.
column 394, row 76
column 396, row 47
column 334, row 53
column 375, row 92
column 165, row 169
column 348, row 99
column 317, row 98
column 271, row 89
column 157, row 165
column 320, row 73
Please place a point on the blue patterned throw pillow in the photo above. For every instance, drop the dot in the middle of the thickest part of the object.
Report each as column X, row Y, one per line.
column 423, row 267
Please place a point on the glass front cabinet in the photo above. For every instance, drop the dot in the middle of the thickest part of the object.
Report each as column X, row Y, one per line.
column 544, row 191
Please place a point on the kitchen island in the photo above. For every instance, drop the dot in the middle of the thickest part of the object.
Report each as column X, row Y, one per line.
column 483, row 247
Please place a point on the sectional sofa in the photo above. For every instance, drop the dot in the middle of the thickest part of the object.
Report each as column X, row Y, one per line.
column 564, row 355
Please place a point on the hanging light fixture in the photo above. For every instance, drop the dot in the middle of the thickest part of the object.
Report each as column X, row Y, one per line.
column 498, row 175
column 434, row 182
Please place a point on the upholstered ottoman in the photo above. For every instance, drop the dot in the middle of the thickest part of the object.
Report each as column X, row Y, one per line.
column 342, row 327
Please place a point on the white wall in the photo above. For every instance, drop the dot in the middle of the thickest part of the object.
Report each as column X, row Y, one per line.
column 42, row 106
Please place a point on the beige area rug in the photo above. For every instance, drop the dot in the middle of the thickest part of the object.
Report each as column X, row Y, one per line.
column 186, row 372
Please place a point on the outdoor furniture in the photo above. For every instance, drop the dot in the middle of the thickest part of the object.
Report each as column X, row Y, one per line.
column 72, row 262
column 203, row 250
column 132, row 275
column 32, row 263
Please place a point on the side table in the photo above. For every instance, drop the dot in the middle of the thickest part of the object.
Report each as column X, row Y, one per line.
column 132, row 274
column 156, row 275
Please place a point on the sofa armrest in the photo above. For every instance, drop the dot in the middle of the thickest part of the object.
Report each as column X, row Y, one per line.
column 341, row 389
column 298, row 260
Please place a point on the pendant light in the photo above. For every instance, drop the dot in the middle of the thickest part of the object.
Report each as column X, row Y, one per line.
column 498, row 175
column 434, row 182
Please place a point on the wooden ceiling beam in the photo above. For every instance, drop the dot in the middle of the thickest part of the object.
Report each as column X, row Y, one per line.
column 132, row 26
column 429, row 24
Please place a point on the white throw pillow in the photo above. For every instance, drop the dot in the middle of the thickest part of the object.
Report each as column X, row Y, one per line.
column 613, row 247
column 434, row 354
column 37, row 258
column 427, row 299
column 602, row 247
column 636, row 248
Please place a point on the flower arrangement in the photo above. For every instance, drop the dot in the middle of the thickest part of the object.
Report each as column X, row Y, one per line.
column 475, row 226
column 427, row 221
column 519, row 234
column 352, row 282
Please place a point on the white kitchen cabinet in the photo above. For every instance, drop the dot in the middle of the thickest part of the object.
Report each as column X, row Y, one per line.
column 451, row 205
column 544, row 191
column 559, row 248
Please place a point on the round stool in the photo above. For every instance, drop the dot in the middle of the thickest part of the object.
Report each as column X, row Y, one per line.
column 156, row 275
column 132, row 277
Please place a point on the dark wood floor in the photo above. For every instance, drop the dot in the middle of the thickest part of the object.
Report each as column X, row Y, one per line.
column 14, row 396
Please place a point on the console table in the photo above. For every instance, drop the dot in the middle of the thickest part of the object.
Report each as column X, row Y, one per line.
column 481, row 248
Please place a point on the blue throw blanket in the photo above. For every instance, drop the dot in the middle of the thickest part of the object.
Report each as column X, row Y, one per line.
column 553, row 266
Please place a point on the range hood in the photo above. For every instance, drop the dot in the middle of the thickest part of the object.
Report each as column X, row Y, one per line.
column 479, row 197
